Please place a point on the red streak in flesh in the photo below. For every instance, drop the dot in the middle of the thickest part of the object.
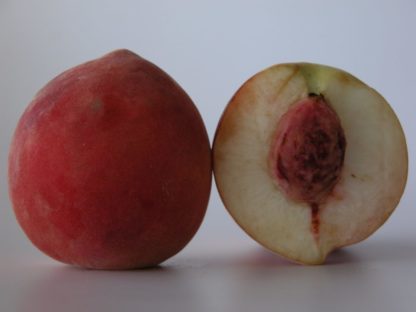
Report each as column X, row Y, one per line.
column 315, row 220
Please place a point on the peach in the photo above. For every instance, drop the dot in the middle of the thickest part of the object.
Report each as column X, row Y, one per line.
column 308, row 159
column 109, row 167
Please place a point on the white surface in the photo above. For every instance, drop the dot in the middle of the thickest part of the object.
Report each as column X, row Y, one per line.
column 210, row 48
column 375, row 276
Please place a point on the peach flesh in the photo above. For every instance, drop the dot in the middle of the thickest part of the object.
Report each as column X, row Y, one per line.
column 309, row 153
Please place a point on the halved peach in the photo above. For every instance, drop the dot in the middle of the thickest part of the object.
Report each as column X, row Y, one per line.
column 307, row 159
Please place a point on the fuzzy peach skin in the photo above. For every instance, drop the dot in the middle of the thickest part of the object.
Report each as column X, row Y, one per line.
column 109, row 167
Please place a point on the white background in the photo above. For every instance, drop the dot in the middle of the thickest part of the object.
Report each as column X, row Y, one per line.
column 211, row 48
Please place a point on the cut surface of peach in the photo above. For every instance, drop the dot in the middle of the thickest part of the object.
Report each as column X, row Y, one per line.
column 307, row 159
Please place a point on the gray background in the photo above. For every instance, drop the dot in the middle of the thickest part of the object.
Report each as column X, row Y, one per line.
column 211, row 48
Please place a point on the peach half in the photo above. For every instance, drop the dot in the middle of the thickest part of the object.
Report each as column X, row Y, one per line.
column 307, row 159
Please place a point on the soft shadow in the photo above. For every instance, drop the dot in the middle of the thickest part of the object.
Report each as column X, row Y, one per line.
column 154, row 268
column 265, row 258
column 342, row 256
column 67, row 288
column 194, row 282
column 368, row 251
column 373, row 250
column 391, row 250
column 261, row 257
column 258, row 257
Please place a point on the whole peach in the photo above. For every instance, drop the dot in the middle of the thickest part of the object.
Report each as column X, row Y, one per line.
column 110, row 166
